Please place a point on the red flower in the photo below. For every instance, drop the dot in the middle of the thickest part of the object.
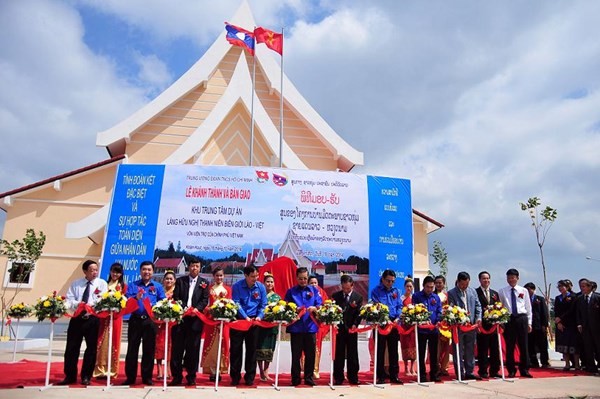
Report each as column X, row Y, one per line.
column 521, row 295
column 568, row 299
column 203, row 285
column 353, row 304
column 152, row 290
column 537, row 300
column 97, row 291
column 255, row 294
column 309, row 294
column 433, row 301
column 494, row 298
column 223, row 294
column 141, row 291
column 118, row 287
column 394, row 295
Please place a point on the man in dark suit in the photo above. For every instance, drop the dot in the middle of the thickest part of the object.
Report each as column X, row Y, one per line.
column 192, row 291
column 538, row 337
column 346, row 342
column 588, row 324
column 464, row 296
column 488, row 354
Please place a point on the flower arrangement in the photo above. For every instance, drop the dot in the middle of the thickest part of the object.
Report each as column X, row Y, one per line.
column 168, row 310
column 223, row 308
column 51, row 306
column 281, row 311
column 329, row 312
column 19, row 310
column 111, row 301
column 375, row 313
column 496, row 314
column 453, row 315
column 415, row 314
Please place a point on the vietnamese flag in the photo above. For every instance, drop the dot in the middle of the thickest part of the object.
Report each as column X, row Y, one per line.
column 273, row 40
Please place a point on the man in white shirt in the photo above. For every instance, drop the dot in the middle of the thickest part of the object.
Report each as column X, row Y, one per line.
column 85, row 290
column 516, row 299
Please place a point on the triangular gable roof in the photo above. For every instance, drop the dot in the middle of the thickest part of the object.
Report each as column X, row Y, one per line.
column 201, row 71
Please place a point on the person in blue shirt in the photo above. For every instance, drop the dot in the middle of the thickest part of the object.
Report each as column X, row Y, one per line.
column 141, row 327
column 251, row 297
column 386, row 294
column 303, row 332
column 429, row 337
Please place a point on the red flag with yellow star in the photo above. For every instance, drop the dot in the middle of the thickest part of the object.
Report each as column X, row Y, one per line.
column 273, row 40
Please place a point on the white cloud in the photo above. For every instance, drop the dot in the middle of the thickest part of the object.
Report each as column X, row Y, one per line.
column 153, row 73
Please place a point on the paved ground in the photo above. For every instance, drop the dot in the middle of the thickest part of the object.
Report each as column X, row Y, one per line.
column 561, row 387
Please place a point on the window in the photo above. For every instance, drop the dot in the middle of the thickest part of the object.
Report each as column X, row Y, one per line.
column 18, row 274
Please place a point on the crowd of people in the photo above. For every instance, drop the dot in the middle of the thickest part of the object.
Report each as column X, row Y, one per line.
column 576, row 319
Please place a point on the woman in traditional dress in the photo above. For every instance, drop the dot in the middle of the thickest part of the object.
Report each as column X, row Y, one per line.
column 159, row 352
column 323, row 330
column 445, row 334
column 210, row 350
column 407, row 342
column 267, row 337
column 115, row 283
column 566, row 325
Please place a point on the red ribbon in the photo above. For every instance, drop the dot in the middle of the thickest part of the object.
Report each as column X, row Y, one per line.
column 130, row 306
column 8, row 321
column 491, row 330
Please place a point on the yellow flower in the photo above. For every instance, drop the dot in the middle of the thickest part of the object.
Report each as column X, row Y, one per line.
column 277, row 309
column 229, row 306
column 282, row 302
column 292, row 305
column 412, row 311
column 177, row 308
column 454, row 310
column 123, row 303
column 105, row 295
column 118, row 295
column 46, row 304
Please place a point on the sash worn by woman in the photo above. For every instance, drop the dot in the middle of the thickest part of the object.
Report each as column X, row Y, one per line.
column 211, row 333
column 115, row 283
column 159, row 351
column 267, row 337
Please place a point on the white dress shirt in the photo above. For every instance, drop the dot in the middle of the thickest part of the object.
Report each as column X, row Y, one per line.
column 75, row 292
column 193, row 282
column 523, row 300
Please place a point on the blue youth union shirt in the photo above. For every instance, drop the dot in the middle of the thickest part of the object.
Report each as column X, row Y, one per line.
column 304, row 297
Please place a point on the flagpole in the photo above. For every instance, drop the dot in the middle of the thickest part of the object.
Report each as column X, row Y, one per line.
column 281, row 110
column 252, row 105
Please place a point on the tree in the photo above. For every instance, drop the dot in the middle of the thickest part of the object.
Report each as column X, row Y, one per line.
column 22, row 255
column 440, row 258
column 541, row 221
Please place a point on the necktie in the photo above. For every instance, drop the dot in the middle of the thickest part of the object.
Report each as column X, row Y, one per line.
column 191, row 292
column 513, row 301
column 587, row 299
column 86, row 292
column 347, row 298
column 487, row 296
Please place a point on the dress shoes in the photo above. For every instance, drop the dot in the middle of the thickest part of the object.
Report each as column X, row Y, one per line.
column 295, row 383
column 148, row 382
column 495, row 375
column 338, row 382
column 423, row 379
column 234, row 382
column 66, row 381
column 190, row 383
column 511, row 374
column 484, row 375
column 85, row 381
column 175, row 382
column 212, row 378
column 472, row 377
column 380, row 381
column 249, row 383
column 309, row 382
column 128, row 382
column 353, row 382
column 526, row 374
column 395, row 380
column 436, row 379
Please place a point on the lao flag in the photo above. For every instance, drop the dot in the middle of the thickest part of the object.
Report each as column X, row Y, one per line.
column 240, row 37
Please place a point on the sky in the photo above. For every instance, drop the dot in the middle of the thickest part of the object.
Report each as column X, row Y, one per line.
column 480, row 104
